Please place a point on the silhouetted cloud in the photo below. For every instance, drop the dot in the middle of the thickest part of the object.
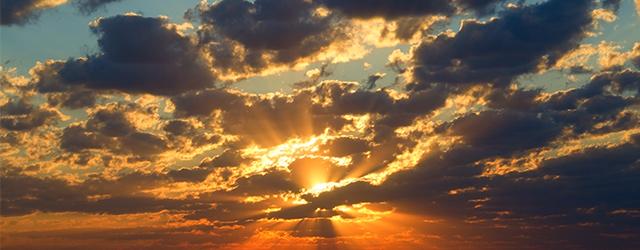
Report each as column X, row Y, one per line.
column 491, row 130
column 20, row 115
column 90, row 6
column 479, row 6
column 20, row 12
column 54, row 195
column 110, row 129
column 138, row 55
column 390, row 9
column 238, row 34
column 519, row 41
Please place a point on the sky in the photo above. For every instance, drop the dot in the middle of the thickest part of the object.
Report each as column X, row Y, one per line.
column 319, row 124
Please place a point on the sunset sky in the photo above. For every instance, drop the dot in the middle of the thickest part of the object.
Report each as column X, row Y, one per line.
column 320, row 124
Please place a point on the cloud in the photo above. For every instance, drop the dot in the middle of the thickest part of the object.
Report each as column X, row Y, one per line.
column 481, row 7
column 264, row 121
column 587, row 109
column 465, row 154
column 138, row 55
column 492, row 130
column 635, row 55
column 253, row 23
column 55, row 195
column 228, row 158
column 20, row 115
column 390, row 9
column 178, row 127
column 519, row 41
column 448, row 182
column 74, row 99
column 345, row 146
column 608, row 55
column 202, row 103
column 111, row 129
column 270, row 121
column 238, row 34
column 264, row 184
column 20, row 12
column 90, row 6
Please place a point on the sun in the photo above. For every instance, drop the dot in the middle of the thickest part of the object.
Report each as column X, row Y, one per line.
column 321, row 188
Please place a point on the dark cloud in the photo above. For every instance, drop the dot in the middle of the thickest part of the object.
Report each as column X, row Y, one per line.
column 394, row 9
column 180, row 132
column 110, row 129
column 481, row 7
column 596, row 107
column 553, row 196
column 580, row 171
column 138, row 55
column 19, row 12
column 163, row 238
column 77, row 138
column 519, row 100
column 345, row 146
column 408, row 15
column 264, row 184
column 55, row 195
column 202, row 103
column 600, row 100
column 253, row 23
column 519, row 41
column 110, row 122
column 196, row 174
column 492, row 130
column 90, row 6
column 408, row 27
column 228, row 158
column 372, row 79
column 20, row 115
column 389, row 8
column 17, row 107
column 74, row 99
column 178, row 127
column 239, row 36
column 143, row 144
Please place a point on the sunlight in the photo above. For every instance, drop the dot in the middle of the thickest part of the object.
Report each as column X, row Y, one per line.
column 321, row 188
column 281, row 156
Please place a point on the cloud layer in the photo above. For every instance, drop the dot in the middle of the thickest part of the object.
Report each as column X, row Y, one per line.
column 502, row 134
